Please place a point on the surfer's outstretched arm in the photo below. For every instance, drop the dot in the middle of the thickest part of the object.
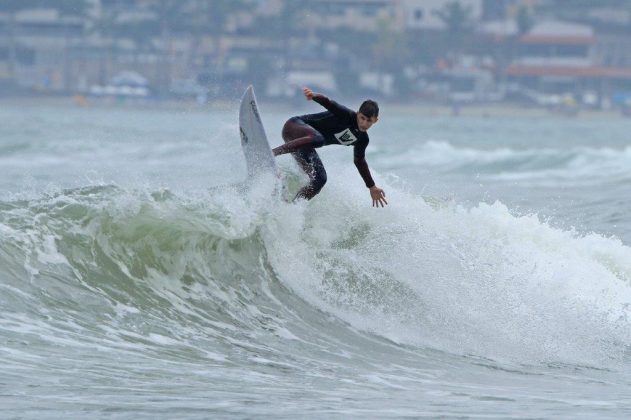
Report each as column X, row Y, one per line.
column 377, row 194
column 330, row 105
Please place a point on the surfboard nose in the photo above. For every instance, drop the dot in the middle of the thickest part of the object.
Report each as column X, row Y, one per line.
column 258, row 154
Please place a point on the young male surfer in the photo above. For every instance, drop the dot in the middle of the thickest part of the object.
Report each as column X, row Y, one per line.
column 337, row 125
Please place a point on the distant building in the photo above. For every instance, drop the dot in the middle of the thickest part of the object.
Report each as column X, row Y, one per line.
column 356, row 14
column 34, row 52
column 559, row 57
column 325, row 43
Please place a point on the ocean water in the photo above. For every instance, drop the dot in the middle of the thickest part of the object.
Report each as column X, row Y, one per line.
column 138, row 281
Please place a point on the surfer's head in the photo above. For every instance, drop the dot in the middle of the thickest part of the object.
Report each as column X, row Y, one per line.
column 367, row 115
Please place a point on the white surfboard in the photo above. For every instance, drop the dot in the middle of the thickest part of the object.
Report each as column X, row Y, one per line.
column 258, row 154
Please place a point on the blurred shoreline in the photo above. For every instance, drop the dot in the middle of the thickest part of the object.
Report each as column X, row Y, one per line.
column 291, row 106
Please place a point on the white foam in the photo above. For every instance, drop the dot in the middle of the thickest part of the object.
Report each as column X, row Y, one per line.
column 475, row 280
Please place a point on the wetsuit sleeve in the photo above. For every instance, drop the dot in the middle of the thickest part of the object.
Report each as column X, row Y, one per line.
column 360, row 162
column 332, row 106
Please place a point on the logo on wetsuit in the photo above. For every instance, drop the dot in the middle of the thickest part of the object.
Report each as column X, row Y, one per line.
column 346, row 137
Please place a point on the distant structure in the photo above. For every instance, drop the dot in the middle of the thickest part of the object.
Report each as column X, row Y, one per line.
column 449, row 51
column 559, row 57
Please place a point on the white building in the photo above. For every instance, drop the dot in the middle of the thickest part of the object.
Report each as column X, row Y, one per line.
column 355, row 14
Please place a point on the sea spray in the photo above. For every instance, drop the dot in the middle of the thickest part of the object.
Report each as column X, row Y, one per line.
column 477, row 280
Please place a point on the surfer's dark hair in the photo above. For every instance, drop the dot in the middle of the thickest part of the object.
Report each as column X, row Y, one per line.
column 369, row 108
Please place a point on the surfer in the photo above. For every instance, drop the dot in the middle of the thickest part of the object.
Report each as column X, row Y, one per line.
column 337, row 125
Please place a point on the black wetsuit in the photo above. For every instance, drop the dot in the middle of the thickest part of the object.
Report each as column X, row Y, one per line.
column 337, row 125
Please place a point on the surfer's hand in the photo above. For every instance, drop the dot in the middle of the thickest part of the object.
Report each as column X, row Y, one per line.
column 378, row 196
column 308, row 93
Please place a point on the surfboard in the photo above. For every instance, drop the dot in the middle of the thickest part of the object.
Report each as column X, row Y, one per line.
column 259, row 159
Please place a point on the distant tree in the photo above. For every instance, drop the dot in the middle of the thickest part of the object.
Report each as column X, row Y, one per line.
column 391, row 52
column 350, row 60
column 524, row 20
column 458, row 22
column 346, row 78
column 508, row 48
column 390, row 48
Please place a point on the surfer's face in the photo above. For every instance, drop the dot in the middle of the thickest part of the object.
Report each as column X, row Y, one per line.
column 364, row 123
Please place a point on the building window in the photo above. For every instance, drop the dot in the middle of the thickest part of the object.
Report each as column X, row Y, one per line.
column 418, row 15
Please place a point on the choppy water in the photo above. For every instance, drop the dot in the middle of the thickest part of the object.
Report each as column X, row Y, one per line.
column 134, row 284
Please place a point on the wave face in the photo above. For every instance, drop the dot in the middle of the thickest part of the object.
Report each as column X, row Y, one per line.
column 212, row 278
